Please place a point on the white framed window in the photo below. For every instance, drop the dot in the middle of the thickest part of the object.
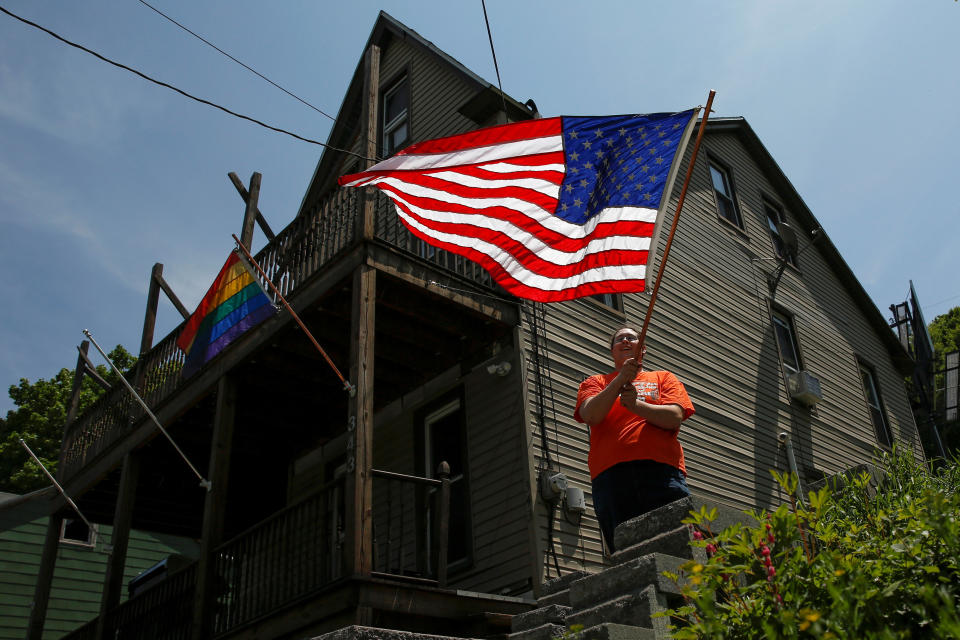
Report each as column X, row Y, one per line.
column 775, row 216
column 75, row 531
column 871, row 394
column 722, row 181
column 787, row 341
column 396, row 117
column 612, row 300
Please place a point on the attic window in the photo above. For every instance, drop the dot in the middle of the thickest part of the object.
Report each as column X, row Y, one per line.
column 396, row 120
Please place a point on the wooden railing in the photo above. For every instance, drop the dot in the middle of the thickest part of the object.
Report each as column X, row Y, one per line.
column 162, row 612
column 296, row 254
column 290, row 555
column 411, row 520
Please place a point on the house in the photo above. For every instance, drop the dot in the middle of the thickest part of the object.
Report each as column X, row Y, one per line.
column 434, row 487
column 82, row 557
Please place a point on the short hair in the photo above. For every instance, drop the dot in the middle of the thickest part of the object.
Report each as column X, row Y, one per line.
column 621, row 328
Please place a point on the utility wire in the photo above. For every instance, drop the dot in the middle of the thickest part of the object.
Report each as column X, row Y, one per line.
column 251, row 70
column 495, row 67
column 180, row 91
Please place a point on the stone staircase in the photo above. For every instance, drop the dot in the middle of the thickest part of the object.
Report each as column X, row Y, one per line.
column 619, row 603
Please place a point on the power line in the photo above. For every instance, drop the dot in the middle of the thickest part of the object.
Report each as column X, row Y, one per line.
column 251, row 70
column 180, row 91
column 495, row 67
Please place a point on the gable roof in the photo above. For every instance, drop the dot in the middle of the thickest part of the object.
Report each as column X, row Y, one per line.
column 347, row 122
column 745, row 133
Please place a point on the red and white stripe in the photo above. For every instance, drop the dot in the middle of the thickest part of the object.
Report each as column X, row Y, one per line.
column 490, row 195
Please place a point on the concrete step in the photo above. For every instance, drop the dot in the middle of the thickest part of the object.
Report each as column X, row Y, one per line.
column 653, row 523
column 557, row 590
column 674, row 542
column 357, row 632
column 624, row 578
column 635, row 609
column 546, row 631
column 614, row 631
column 561, row 598
column 559, row 584
column 554, row 613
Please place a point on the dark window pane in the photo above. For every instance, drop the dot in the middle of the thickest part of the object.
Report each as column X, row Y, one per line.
column 788, row 343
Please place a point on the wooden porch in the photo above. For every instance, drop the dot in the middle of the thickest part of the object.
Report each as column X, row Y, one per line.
column 244, row 417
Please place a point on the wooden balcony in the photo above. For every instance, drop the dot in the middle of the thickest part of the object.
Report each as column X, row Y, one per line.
column 309, row 262
column 293, row 562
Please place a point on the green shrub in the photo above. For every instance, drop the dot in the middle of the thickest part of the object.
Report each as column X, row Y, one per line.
column 865, row 558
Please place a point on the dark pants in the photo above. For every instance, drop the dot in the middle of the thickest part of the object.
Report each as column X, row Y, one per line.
column 629, row 489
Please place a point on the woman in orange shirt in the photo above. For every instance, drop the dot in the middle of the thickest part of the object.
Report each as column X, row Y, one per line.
column 636, row 461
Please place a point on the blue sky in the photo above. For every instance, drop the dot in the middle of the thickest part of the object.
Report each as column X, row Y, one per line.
column 103, row 174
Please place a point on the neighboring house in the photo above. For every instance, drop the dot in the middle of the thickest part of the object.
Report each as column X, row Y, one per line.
column 81, row 561
column 326, row 508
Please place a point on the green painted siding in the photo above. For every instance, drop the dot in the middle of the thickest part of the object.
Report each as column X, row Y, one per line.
column 78, row 577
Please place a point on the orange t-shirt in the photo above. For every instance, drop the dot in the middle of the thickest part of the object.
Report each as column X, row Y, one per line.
column 623, row 436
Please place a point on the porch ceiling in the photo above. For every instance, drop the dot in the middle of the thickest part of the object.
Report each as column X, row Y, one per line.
column 290, row 401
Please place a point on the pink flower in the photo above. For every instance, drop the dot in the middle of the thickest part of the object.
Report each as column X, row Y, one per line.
column 711, row 549
column 771, row 571
column 765, row 550
column 697, row 535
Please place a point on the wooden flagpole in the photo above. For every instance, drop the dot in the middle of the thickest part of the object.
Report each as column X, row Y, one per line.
column 346, row 383
column 673, row 227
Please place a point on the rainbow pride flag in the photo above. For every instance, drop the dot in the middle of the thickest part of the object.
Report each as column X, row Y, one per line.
column 234, row 303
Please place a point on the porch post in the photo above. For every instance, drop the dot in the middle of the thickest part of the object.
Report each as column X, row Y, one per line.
column 358, row 553
column 368, row 131
column 214, row 508
column 119, row 539
column 41, row 592
column 250, row 214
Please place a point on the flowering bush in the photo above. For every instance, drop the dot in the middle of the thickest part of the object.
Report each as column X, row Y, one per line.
column 857, row 561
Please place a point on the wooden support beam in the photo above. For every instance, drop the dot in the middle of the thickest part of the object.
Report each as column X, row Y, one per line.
column 150, row 316
column 173, row 297
column 214, row 508
column 368, row 134
column 119, row 540
column 82, row 361
column 90, row 369
column 242, row 190
column 250, row 215
column 358, row 551
column 41, row 592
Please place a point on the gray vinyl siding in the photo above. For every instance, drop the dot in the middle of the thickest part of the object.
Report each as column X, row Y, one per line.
column 78, row 576
column 712, row 326
column 496, row 469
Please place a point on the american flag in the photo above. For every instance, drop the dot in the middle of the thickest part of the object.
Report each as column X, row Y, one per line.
column 555, row 208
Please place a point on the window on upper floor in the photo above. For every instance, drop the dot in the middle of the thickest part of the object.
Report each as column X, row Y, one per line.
column 787, row 342
column 722, row 181
column 396, row 117
column 871, row 394
column 775, row 217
